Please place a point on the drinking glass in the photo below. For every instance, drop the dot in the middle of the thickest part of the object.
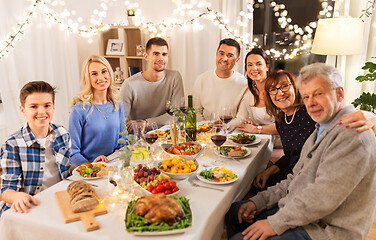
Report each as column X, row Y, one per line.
column 218, row 137
column 150, row 132
column 138, row 127
column 168, row 107
column 225, row 115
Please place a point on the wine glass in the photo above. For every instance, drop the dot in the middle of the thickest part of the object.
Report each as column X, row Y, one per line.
column 169, row 107
column 218, row 137
column 225, row 115
column 150, row 135
column 150, row 132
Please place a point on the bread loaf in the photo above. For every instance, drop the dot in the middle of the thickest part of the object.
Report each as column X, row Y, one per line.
column 82, row 196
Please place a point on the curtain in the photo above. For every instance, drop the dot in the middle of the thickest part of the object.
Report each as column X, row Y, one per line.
column 43, row 53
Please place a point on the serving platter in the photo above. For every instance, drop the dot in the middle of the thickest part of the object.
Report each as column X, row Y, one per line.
column 160, row 233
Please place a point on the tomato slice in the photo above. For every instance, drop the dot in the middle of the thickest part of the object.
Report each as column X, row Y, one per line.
column 216, row 180
column 196, row 149
column 179, row 147
column 186, row 153
column 176, row 151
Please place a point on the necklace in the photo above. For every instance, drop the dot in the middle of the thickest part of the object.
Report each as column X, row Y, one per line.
column 292, row 119
column 103, row 113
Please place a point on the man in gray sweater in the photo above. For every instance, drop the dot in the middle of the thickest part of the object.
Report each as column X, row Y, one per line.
column 331, row 193
column 145, row 94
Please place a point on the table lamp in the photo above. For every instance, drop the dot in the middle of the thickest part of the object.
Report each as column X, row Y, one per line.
column 338, row 36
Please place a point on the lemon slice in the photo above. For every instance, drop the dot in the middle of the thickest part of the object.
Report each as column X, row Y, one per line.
column 140, row 154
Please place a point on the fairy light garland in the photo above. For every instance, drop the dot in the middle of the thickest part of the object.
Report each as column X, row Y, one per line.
column 12, row 38
column 303, row 35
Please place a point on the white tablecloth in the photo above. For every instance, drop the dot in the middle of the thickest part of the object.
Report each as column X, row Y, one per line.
column 208, row 206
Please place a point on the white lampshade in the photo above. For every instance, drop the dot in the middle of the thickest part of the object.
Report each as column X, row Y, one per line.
column 338, row 36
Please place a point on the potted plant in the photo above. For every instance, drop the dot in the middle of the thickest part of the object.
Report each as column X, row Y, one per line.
column 367, row 101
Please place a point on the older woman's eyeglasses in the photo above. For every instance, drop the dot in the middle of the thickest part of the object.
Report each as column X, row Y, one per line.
column 283, row 88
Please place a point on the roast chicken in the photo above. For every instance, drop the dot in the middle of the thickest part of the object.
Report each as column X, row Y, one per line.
column 159, row 208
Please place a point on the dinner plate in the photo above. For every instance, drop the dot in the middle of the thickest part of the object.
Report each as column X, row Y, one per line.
column 243, row 148
column 256, row 141
column 212, row 182
column 78, row 175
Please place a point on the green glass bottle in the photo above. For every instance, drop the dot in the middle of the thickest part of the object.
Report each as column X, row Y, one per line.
column 190, row 121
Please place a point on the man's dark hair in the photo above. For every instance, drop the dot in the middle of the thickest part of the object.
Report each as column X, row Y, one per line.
column 156, row 41
column 36, row 87
column 230, row 42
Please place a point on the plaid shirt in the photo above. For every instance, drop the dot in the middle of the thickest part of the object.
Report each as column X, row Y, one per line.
column 23, row 160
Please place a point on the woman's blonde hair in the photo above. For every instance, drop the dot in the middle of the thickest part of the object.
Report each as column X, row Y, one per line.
column 86, row 95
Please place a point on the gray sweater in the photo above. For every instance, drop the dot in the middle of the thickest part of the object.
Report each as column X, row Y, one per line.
column 147, row 100
column 332, row 191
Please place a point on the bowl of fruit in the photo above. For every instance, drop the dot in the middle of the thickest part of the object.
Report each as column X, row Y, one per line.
column 177, row 167
column 188, row 150
column 152, row 181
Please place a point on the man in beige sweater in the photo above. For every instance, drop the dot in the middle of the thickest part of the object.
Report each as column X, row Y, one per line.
column 332, row 191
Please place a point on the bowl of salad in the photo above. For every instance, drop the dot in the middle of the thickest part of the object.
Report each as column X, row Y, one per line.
column 188, row 151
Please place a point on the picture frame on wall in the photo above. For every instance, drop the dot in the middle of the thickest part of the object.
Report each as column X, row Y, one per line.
column 140, row 50
column 115, row 47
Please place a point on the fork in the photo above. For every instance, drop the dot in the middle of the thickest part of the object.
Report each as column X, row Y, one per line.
column 198, row 185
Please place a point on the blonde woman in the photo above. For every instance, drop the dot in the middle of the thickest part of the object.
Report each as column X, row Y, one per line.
column 96, row 115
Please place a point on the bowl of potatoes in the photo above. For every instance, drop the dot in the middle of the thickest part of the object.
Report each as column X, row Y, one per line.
column 178, row 167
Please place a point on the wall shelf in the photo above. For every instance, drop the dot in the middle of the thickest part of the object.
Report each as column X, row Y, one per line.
column 131, row 37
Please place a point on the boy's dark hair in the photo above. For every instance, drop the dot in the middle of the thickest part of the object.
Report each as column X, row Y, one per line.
column 36, row 86
column 156, row 41
column 230, row 42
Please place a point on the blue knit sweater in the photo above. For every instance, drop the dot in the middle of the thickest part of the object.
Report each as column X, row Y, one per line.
column 94, row 130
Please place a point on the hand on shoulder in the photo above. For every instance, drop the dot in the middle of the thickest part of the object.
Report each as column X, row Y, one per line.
column 361, row 120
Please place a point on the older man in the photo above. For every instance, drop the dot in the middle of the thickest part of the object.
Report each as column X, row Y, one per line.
column 332, row 191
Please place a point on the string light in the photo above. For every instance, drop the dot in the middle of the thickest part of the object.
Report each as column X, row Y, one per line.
column 187, row 14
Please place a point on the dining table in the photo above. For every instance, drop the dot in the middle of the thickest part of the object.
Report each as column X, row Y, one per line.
column 208, row 206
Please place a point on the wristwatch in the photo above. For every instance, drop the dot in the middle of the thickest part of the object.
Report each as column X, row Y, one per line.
column 259, row 129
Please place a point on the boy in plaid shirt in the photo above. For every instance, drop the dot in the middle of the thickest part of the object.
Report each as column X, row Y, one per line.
column 36, row 156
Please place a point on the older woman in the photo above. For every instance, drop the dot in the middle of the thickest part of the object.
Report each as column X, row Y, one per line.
column 96, row 116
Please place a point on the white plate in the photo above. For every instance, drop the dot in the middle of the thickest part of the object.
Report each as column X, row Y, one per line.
column 78, row 175
column 257, row 140
column 243, row 148
column 177, row 231
column 212, row 182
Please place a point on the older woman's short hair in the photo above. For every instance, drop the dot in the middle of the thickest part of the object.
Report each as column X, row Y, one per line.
column 327, row 73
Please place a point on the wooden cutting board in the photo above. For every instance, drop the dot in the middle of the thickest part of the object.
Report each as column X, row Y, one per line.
column 63, row 200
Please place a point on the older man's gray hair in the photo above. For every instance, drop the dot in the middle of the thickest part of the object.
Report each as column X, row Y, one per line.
column 322, row 70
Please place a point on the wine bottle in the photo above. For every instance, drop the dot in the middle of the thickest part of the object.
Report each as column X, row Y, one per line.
column 190, row 121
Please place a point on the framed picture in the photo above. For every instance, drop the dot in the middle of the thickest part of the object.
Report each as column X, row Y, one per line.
column 140, row 50
column 115, row 47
